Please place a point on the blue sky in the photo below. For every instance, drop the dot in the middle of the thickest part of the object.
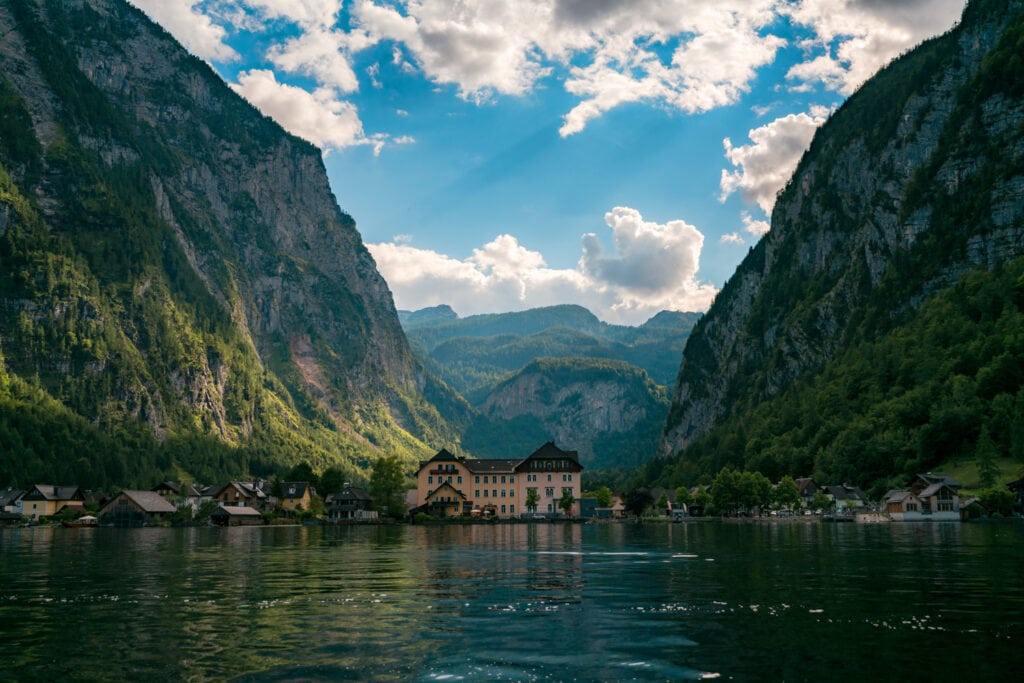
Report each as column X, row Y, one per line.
column 505, row 154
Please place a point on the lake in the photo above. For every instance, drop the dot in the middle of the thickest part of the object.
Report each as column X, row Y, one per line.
column 747, row 601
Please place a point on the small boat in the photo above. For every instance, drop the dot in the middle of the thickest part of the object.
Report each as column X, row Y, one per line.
column 82, row 522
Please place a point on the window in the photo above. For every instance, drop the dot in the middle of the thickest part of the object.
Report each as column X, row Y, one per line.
column 449, row 480
column 512, row 508
column 503, row 479
column 911, row 507
column 549, row 492
column 503, row 493
column 477, row 479
column 460, row 478
column 502, row 509
column 565, row 491
column 485, row 493
column 485, row 478
column 549, row 477
column 511, row 478
column 476, row 493
column 430, row 479
column 494, row 493
column 429, row 491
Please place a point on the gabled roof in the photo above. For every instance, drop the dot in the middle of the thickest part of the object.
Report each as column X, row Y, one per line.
column 935, row 488
column 350, row 493
column 11, row 496
column 48, row 492
column 443, row 455
column 492, row 466
column 550, row 450
column 805, row 483
column 929, row 479
column 898, row 496
column 149, row 501
column 446, row 488
column 294, row 489
column 844, row 492
column 172, row 486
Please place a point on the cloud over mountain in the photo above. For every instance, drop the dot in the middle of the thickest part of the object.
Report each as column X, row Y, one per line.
column 653, row 267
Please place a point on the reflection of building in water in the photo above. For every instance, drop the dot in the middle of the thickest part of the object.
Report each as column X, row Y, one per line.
column 450, row 485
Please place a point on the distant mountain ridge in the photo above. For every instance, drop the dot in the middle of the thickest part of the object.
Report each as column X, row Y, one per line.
column 474, row 352
column 914, row 187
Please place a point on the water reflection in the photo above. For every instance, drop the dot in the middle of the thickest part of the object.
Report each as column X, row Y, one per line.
column 542, row 601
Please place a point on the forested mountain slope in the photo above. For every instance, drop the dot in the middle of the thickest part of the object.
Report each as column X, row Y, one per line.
column 910, row 198
column 179, row 291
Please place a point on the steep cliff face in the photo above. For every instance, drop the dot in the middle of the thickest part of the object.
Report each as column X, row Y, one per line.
column 917, row 180
column 190, row 251
column 609, row 411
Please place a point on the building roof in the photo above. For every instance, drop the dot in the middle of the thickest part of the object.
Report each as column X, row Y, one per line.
column 805, row 485
column 898, row 496
column 935, row 488
column 929, row 479
column 10, row 496
column 548, row 451
column 350, row 493
column 492, row 465
column 48, row 492
column 443, row 455
column 149, row 501
column 237, row 511
column 294, row 489
column 172, row 486
column 846, row 492
column 446, row 488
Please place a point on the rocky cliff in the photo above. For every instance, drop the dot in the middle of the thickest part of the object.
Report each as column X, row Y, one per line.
column 173, row 257
column 609, row 411
column 917, row 180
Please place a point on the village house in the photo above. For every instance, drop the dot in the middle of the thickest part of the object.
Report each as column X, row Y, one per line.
column 43, row 500
column 930, row 497
column 135, row 509
column 806, row 487
column 296, row 495
column 243, row 494
column 454, row 485
column 184, row 495
column 845, row 497
column 236, row 515
column 351, row 503
column 10, row 500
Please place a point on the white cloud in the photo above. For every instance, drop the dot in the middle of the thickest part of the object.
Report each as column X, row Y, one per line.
column 654, row 268
column 318, row 117
column 857, row 37
column 765, row 166
column 732, row 238
column 757, row 228
column 190, row 27
column 318, row 53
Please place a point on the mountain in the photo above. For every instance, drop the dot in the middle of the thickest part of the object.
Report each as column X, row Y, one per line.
column 473, row 354
column 607, row 410
column 862, row 336
column 179, row 292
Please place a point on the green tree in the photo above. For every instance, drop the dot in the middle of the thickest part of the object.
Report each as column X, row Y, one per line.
column 532, row 499
column 786, row 493
column 662, row 504
column 331, row 481
column 821, row 501
column 683, row 497
column 637, row 501
column 387, row 486
column 303, row 472
column 566, row 502
column 604, row 497
column 985, row 456
column 726, row 494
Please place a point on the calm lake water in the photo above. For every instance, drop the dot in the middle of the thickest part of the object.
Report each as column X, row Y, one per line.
column 794, row 602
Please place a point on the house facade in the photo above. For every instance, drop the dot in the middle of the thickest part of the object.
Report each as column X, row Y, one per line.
column 242, row 494
column 236, row 515
column 508, row 487
column 351, row 503
column 930, row 497
column 296, row 495
column 43, row 500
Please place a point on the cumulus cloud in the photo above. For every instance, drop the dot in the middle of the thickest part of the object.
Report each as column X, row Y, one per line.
column 764, row 167
column 653, row 268
column 319, row 117
column 194, row 29
column 854, row 38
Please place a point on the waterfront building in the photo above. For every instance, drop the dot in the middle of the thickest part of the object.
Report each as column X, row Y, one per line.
column 450, row 485
column 43, row 500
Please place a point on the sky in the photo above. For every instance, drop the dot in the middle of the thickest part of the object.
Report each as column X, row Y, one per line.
column 501, row 155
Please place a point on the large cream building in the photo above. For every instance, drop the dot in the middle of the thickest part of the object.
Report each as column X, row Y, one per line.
column 452, row 485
